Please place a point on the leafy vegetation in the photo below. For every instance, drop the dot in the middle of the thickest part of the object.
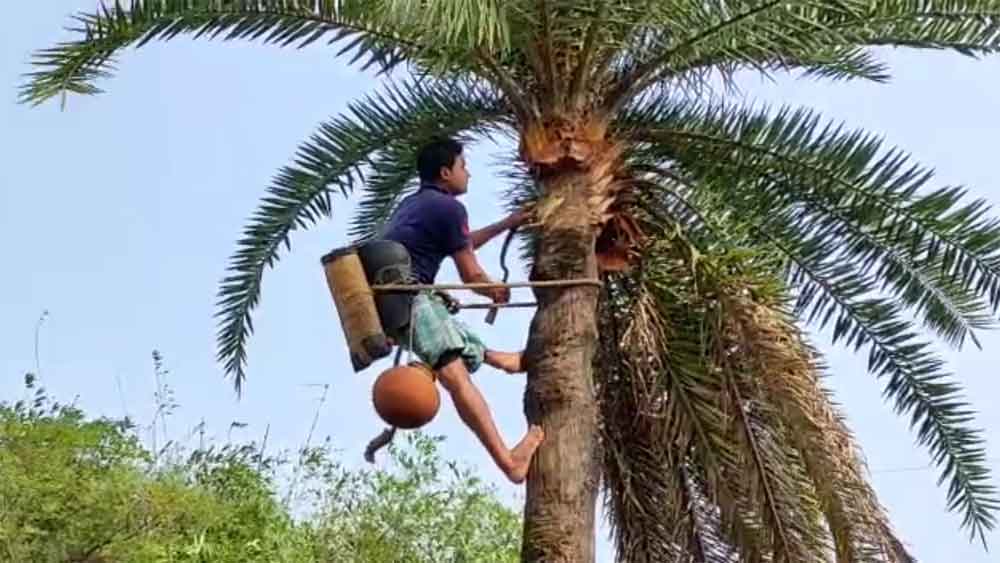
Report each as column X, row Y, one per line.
column 76, row 489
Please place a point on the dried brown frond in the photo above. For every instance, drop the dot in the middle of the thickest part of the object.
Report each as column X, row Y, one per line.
column 790, row 375
column 660, row 415
column 772, row 469
column 659, row 512
column 703, row 378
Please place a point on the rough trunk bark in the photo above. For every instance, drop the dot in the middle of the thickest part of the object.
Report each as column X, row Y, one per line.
column 563, row 480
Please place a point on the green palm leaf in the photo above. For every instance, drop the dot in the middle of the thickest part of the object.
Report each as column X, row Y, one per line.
column 759, row 35
column 968, row 27
column 829, row 39
column 459, row 24
column 74, row 66
column 844, row 197
column 851, row 224
column 334, row 160
column 392, row 175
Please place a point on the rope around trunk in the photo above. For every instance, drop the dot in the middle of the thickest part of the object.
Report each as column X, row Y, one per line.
column 486, row 285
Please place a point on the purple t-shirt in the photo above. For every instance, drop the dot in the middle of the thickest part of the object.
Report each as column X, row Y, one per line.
column 432, row 224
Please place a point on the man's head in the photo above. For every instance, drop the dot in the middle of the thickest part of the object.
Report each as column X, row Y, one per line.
column 441, row 162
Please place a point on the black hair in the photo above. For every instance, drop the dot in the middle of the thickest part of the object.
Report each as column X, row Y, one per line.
column 434, row 156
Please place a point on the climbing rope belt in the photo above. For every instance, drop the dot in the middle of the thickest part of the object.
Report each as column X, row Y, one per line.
column 415, row 288
column 488, row 285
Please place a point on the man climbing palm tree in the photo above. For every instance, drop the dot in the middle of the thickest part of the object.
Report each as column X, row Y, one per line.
column 433, row 224
column 683, row 387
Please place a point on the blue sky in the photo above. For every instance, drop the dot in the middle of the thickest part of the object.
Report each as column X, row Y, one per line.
column 119, row 214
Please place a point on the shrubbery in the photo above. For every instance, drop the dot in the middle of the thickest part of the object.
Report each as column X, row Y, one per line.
column 76, row 489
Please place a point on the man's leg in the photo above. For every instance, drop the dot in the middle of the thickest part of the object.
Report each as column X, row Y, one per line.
column 509, row 362
column 475, row 413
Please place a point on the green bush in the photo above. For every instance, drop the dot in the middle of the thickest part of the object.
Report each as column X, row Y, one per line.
column 74, row 489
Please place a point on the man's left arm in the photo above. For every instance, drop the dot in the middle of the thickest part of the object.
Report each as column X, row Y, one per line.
column 486, row 234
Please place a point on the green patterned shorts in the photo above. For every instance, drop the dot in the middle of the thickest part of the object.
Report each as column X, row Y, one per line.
column 436, row 333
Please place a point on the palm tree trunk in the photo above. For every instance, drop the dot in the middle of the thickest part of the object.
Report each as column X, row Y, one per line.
column 563, row 481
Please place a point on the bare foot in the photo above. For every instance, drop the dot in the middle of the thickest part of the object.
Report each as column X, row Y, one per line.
column 509, row 362
column 522, row 453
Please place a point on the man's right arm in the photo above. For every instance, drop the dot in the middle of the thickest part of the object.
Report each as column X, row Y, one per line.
column 471, row 272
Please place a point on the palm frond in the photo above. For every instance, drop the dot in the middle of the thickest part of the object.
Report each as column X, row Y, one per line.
column 857, row 522
column 969, row 27
column 653, row 415
column 917, row 381
column 335, row 159
column 822, row 38
column 780, row 489
column 572, row 43
column 75, row 66
column 700, row 329
column 668, row 387
column 760, row 35
column 457, row 24
column 851, row 224
column 558, row 51
column 842, row 193
column 707, row 540
column 664, row 200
